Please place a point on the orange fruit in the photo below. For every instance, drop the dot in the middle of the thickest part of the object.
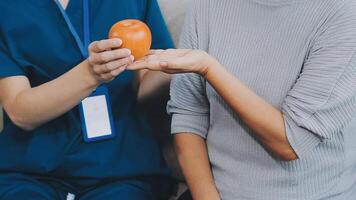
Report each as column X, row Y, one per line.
column 135, row 36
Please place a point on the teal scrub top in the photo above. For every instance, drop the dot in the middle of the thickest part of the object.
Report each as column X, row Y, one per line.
column 36, row 42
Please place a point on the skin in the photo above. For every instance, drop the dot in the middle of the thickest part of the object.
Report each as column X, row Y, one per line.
column 264, row 119
column 148, row 83
column 50, row 100
column 29, row 107
column 192, row 152
column 64, row 3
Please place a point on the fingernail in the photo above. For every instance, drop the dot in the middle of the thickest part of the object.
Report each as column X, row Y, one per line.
column 129, row 51
column 117, row 42
column 132, row 57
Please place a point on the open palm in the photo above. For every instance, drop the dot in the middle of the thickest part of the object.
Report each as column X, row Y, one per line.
column 174, row 61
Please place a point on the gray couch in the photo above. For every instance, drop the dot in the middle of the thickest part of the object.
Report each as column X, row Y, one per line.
column 174, row 12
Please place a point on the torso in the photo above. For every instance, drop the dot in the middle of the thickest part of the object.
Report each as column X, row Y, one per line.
column 265, row 46
column 42, row 45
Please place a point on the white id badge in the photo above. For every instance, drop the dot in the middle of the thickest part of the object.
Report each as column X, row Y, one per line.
column 96, row 116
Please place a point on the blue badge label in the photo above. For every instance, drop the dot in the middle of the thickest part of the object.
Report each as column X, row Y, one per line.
column 96, row 116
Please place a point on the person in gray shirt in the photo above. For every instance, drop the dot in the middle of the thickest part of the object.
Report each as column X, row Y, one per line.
column 263, row 102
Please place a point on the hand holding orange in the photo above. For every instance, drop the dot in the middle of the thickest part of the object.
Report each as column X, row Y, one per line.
column 135, row 36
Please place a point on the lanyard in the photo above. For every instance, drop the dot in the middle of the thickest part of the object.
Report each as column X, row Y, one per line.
column 83, row 46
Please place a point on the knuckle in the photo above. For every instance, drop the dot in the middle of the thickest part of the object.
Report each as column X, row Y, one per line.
column 166, row 67
column 167, row 64
column 118, row 63
column 92, row 46
column 101, row 45
column 96, row 70
column 91, row 59
column 105, row 77
column 107, row 67
column 102, row 57
column 94, row 58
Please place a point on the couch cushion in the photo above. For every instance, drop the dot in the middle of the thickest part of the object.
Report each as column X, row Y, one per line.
column 174, row 13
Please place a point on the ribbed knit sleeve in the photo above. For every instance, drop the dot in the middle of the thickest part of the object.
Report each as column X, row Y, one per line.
column 323, row 100
column 188, row 104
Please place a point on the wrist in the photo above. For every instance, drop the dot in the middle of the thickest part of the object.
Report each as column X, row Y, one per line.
column 212, row 66
column 88, row 76
column 213, row 195
column 206, row 192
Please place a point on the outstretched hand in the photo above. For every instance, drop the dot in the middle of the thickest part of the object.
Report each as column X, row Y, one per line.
column 175, row 61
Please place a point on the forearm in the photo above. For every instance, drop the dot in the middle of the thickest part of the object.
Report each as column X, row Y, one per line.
column 35, row 106
column 30, row 107
column 194, row 161
column 265, row 120
column 151, row 84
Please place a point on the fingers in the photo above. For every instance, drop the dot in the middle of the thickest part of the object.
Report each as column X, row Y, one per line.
column 111, row 75
column 107, row 60
column 148, row 63
column 113, row 65
column 103, row 45
column 108, row 56
column 155, row 51
column 117, row 71
column 170, row 65
column 169, row 53
column 157, row 59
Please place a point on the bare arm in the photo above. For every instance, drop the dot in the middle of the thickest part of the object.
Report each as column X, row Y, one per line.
column 192, row 152
column 30, row 107
column 266, row 121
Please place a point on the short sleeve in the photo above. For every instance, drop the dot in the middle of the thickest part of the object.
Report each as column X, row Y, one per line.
column 189, row 105
column 161, row 38
column 8, row 67
column 323, row 100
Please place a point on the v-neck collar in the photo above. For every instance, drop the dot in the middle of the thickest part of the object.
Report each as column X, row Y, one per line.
column 69, row 5
column 74, row 14
column 66, row 6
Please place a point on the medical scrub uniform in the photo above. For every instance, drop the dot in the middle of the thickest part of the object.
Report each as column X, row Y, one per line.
column 53, row 161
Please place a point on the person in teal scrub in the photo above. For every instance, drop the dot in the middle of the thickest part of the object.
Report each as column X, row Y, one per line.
column 46, row 72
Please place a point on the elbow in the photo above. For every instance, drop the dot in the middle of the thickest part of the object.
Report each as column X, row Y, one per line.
column 21, row 122
column 288, row 155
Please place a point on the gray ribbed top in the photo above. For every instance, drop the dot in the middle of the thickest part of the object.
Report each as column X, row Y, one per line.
column 299, row 55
